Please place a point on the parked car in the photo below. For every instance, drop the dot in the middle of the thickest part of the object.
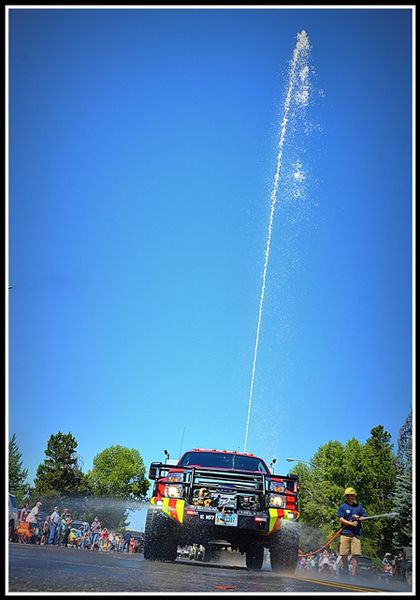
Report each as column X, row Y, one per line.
column 409, row 572
column 366, row 567
column 13, row 517
column 79, row 524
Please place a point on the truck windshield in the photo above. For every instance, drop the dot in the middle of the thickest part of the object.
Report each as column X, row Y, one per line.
column 224, row 461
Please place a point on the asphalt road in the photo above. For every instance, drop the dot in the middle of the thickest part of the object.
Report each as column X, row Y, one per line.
column 35, row 568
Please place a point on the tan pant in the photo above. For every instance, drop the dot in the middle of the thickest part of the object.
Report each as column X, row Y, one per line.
column 350, row 545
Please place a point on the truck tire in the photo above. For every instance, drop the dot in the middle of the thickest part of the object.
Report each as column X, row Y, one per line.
column 206, row 555
column 254, row 558
column 284, row 549
column 159, row 539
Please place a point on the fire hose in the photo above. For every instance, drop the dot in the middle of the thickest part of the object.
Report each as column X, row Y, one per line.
column 301, row 555
column 382, row 516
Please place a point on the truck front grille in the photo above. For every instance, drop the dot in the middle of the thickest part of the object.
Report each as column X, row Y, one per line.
column 245, row 489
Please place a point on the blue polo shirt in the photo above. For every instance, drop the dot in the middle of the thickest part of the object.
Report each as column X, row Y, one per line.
column 347, row 511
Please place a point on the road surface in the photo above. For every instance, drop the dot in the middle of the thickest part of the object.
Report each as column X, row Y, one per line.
column 34, row 568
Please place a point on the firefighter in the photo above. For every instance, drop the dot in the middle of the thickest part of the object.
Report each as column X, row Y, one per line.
column 350, row 514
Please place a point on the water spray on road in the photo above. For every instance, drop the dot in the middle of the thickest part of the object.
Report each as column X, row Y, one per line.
column 298, row 78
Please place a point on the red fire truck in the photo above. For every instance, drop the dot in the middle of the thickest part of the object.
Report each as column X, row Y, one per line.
column 218, row 495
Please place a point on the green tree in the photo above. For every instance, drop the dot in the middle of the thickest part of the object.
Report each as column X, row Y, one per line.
column 379, row 457
column 118, row 481
column 112, row 513
column 378, row 476
column 119, row 472
column 369, row 467
column 319, row 494
column 402, row 499
column 405, row 443
column 18, row 484
column 59, row 476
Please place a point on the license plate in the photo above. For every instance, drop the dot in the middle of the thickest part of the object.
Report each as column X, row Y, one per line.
column 230, row 520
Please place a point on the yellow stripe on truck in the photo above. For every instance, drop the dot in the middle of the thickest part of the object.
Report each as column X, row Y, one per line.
column 276, row 517
column 166, row 509
column 180, row 505
column 173, row 508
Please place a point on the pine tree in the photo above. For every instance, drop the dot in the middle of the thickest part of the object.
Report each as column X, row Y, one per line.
column 402, row 499
column 379, row 474
column 59, row 475
column 404, row 454
column 17, row 474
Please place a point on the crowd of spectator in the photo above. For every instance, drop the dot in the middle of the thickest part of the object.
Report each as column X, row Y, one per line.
column 329, row 563
column 60, row 529
column 396, row 565
column 324, row 563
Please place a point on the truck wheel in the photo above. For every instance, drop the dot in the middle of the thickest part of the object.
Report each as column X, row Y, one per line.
column 284, row 549
column 159, row 539
column 254, row 558
column 206, row 554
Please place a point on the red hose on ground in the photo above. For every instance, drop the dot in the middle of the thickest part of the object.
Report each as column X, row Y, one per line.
column 301, row 555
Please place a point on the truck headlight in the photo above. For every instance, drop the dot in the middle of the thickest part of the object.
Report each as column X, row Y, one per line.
column 277, row 486
column 175, row 477
column 174, row 491
column 276, row 501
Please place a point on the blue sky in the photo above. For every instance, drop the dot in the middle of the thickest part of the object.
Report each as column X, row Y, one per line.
column 142, row 150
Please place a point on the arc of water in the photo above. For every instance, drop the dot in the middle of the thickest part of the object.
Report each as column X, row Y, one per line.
column 302, row 45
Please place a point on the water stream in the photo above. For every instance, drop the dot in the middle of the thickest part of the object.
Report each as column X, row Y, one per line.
column 297, row 93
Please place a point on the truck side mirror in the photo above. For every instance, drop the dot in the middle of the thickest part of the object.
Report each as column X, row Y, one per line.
column 154, row 470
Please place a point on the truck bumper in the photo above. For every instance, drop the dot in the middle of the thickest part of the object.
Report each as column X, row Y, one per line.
column 206, row 517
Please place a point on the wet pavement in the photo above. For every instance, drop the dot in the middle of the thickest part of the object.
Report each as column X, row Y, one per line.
column 51, row 569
